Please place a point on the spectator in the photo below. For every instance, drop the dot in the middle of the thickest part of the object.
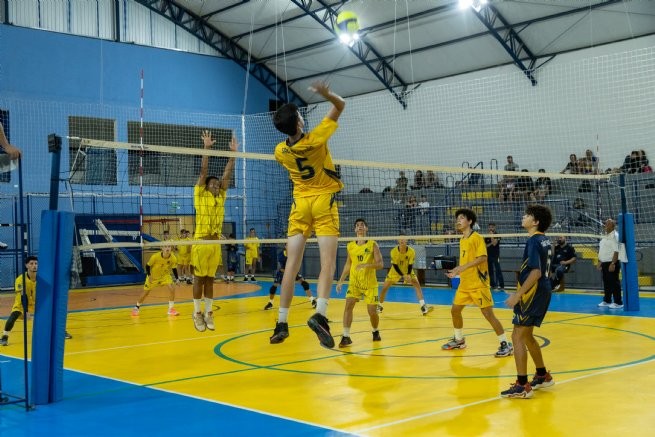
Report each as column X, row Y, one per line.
column 424, row 205
column 644, row 167
column 608, row 264
column 365, row 191
column 432, row 180
column 401, row 182
column 419, row 183
column 563, row 258
column 573, row 166
column 542, row 188
column 631, row 163
column 511, row 165
column 507, row 186
column 409, row 215
column 589, row 164
column 496, row 279
column 524, row 186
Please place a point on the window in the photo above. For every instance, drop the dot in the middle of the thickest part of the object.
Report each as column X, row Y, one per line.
column 91, row 165
column 173, row 170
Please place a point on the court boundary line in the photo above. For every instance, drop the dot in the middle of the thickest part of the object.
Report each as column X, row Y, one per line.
column 496, row 398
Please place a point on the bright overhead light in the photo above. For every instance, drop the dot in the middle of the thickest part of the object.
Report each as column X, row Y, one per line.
column 349, row 39
column 475, row 4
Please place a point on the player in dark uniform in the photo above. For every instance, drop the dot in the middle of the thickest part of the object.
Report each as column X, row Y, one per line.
column 530, row 303
column 282, row 264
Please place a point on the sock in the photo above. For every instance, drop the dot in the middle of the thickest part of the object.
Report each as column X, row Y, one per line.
column 208, row 305
column 523, row 379
column 421, row 302
column 5, row 333
column 196, row 306
column 541, row 371
column 312, row 299
column 346, row 332
column 283, row 315
column 270, row 301
column 171, row 304
column 137, row 306
column 321, row 306
column 459, row 334
column 502, row 338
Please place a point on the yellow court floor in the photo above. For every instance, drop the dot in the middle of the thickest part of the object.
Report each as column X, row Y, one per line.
column 603, row 366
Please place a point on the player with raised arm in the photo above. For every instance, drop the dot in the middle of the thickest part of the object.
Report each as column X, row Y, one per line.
column 530, row 303
column 364, row 258
column 315, row 183
column 209, row 196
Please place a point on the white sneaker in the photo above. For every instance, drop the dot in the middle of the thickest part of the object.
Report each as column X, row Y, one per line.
column 605, row 304
column 615, row 306
column 209, row 320
column 199, row 322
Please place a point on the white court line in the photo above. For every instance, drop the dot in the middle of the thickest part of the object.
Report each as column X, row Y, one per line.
column 484, row 401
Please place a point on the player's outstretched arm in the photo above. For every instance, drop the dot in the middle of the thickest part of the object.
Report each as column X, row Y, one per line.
column 338, row 103
column 207, row 142
column 229, row 167
column 13, row 152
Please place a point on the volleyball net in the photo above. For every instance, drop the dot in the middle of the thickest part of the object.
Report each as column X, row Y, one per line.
column 129, row 174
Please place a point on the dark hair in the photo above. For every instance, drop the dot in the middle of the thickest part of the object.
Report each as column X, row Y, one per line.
column 361, row 220
column 30, row 258
column 468, row 213
column 208, row 179
column 541, row 214
column 285, row 119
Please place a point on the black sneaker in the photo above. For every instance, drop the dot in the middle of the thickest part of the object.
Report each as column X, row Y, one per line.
column 268, row 306
column 252, row 278
column 4, row 341
column 319, row 324
column 280, row 333
column 67, row 335
column 376, row 336
column 245, row 279
column 345, row 341
column 314, row 304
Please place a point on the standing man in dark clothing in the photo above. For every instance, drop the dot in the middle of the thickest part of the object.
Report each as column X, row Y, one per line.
column 493, row 260
column 563, row 258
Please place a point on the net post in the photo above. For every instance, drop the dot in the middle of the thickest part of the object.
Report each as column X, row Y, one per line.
column 54, row 147
column 630, row 276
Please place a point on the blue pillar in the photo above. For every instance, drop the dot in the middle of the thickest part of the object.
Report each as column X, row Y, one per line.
column 52, row 283
column 630, row 276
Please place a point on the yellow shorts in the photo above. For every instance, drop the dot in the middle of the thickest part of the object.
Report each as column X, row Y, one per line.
column 205, row 259
column 250, row 257
column 394, row 277
column 184, row 260
column 480, row 297
column 161, row 282
column 318, row 213
column 370, row 296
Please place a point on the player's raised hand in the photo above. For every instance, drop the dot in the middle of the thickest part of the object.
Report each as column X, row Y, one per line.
column 234, row 144
column 320, row 87
column 207, row 140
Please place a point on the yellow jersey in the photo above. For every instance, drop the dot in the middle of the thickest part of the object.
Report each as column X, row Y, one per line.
column 309, row 162
column 470, row 248
column 161, row 267
column 184, row 249
column 210, row 211
column 252, row 248
column 402, row 260
column 363, row 279
column 30, row 290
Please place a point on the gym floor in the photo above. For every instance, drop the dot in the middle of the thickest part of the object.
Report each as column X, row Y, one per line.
column 155, row 374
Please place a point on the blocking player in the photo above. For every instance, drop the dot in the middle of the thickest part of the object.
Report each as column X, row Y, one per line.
column 402, row 263
column 315, row 184
column 474, row 288
column 209, row 196
column 158, row 274
column 279, row 274
column 530, row 303
column 364, row 258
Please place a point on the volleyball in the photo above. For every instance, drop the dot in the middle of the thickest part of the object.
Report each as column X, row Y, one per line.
column 347, row 22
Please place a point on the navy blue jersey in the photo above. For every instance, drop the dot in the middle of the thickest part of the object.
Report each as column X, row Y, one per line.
column 282, row 260
column 533, row 305
column 232, row 253
column 563, row 253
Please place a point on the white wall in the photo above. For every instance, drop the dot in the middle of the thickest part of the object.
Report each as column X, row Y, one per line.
column 601, row 98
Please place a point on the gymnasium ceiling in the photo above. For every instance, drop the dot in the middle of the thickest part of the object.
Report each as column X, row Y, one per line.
column 291, row 43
